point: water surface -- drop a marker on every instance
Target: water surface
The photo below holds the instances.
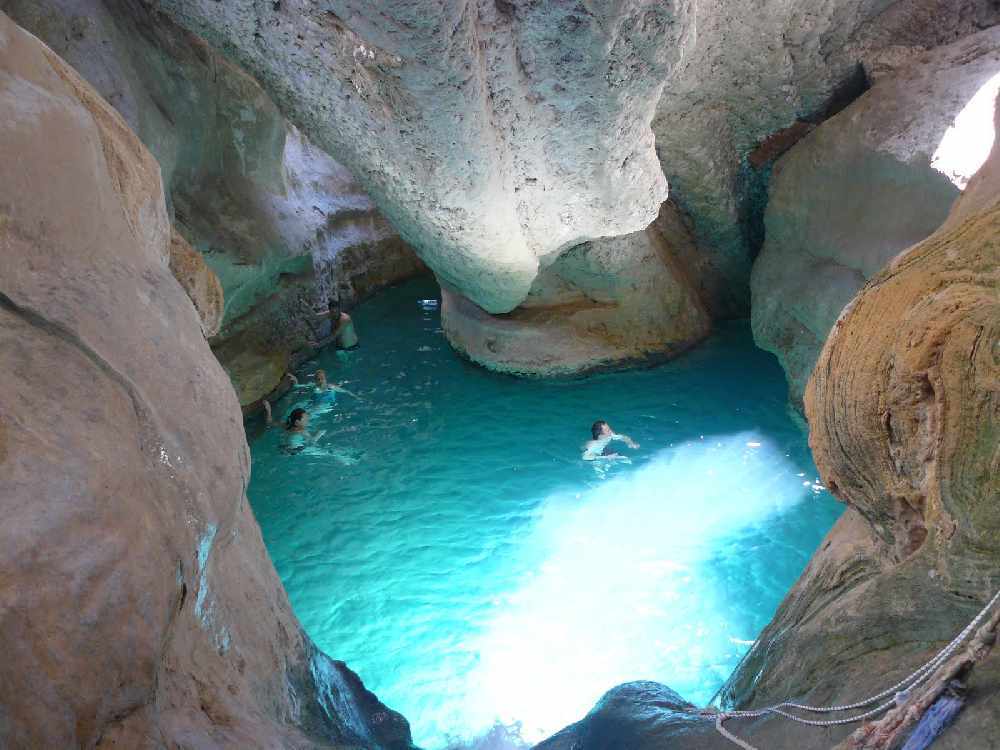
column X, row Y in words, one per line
column 446, row 541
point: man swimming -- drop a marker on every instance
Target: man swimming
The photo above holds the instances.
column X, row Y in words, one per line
column 599, row 445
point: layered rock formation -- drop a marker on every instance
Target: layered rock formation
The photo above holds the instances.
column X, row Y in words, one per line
column 281, row 223
column 138, row 607
column 604, row 303
column 866, row 184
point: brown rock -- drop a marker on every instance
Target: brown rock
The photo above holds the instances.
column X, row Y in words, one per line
column 138, row 607
column 904, row 416
column 199, row 281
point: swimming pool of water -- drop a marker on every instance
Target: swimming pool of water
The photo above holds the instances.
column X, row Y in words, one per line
column 445, row 539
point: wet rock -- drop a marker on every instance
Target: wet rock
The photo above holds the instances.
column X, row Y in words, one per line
column 639, row 716
column 866, row 184
column 491, row 134
column 280, row 223
column 604, row 303
column 138, row 607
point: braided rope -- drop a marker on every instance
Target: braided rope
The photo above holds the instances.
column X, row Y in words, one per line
column 900, row 691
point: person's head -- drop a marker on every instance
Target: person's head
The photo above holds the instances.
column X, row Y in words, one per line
column 600, row 428
column 297, row 420
column 321, row 379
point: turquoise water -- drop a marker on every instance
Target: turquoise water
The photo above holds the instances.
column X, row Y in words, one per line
column 445, row 539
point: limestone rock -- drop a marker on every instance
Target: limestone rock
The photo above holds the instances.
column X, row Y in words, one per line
column 904, row 416
column 199, row 281
column 138, row 607
column 604, row 303
column 280, row 222
column 491, row 134
column 750, row 70
column 866, row 184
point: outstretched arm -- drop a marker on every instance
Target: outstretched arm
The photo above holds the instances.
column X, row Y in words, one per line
column 626, row 439
column 267, row 412
column 341, row 389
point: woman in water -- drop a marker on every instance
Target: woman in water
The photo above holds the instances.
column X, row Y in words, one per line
column 297, row 434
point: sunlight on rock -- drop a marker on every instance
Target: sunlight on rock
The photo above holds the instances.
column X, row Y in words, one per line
column 967, row 143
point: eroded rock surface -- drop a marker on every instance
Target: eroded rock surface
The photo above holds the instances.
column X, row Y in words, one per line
column 280, row 222
column 138, row 607
column 753, row 73
column 866, row 184
column 492, row 134
column 604, row 303
column 904, row 416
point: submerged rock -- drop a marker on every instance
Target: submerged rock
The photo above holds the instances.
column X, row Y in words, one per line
column 866, row 184
column 138, row 607
column 604, row 303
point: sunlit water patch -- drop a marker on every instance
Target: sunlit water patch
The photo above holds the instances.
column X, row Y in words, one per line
column 445, row 539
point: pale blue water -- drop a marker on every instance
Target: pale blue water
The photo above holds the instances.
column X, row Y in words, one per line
column 445, row 539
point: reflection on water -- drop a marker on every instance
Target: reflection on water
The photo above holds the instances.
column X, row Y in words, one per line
column 473, row 570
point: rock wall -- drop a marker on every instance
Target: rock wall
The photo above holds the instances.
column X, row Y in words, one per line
column 866, row 184
column 904, row 416
column 750, row 79
column 280, row 222
column 138, row 607
column 494, row 135
column 606, row 303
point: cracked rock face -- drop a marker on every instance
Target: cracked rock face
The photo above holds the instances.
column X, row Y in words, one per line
column 494, row 135
column 866, row 184
column 138, row 607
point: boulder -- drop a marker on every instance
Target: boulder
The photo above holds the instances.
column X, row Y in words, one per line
column 138, row 607
column 606, row 303
column 639, row 716
column 866, row 184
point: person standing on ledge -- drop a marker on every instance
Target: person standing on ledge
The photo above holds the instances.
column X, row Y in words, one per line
column 599, row 446
column 341, row 327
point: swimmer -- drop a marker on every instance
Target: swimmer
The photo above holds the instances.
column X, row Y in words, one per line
column 341, row 327
column 324, row 386
column 599, row 447
column 296, row 427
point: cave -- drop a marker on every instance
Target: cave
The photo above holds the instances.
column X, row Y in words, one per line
column 490, row 376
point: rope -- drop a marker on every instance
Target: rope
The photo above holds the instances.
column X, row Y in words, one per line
column 900, row 692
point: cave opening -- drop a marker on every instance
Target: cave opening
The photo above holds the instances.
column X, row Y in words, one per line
column 444, row 537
